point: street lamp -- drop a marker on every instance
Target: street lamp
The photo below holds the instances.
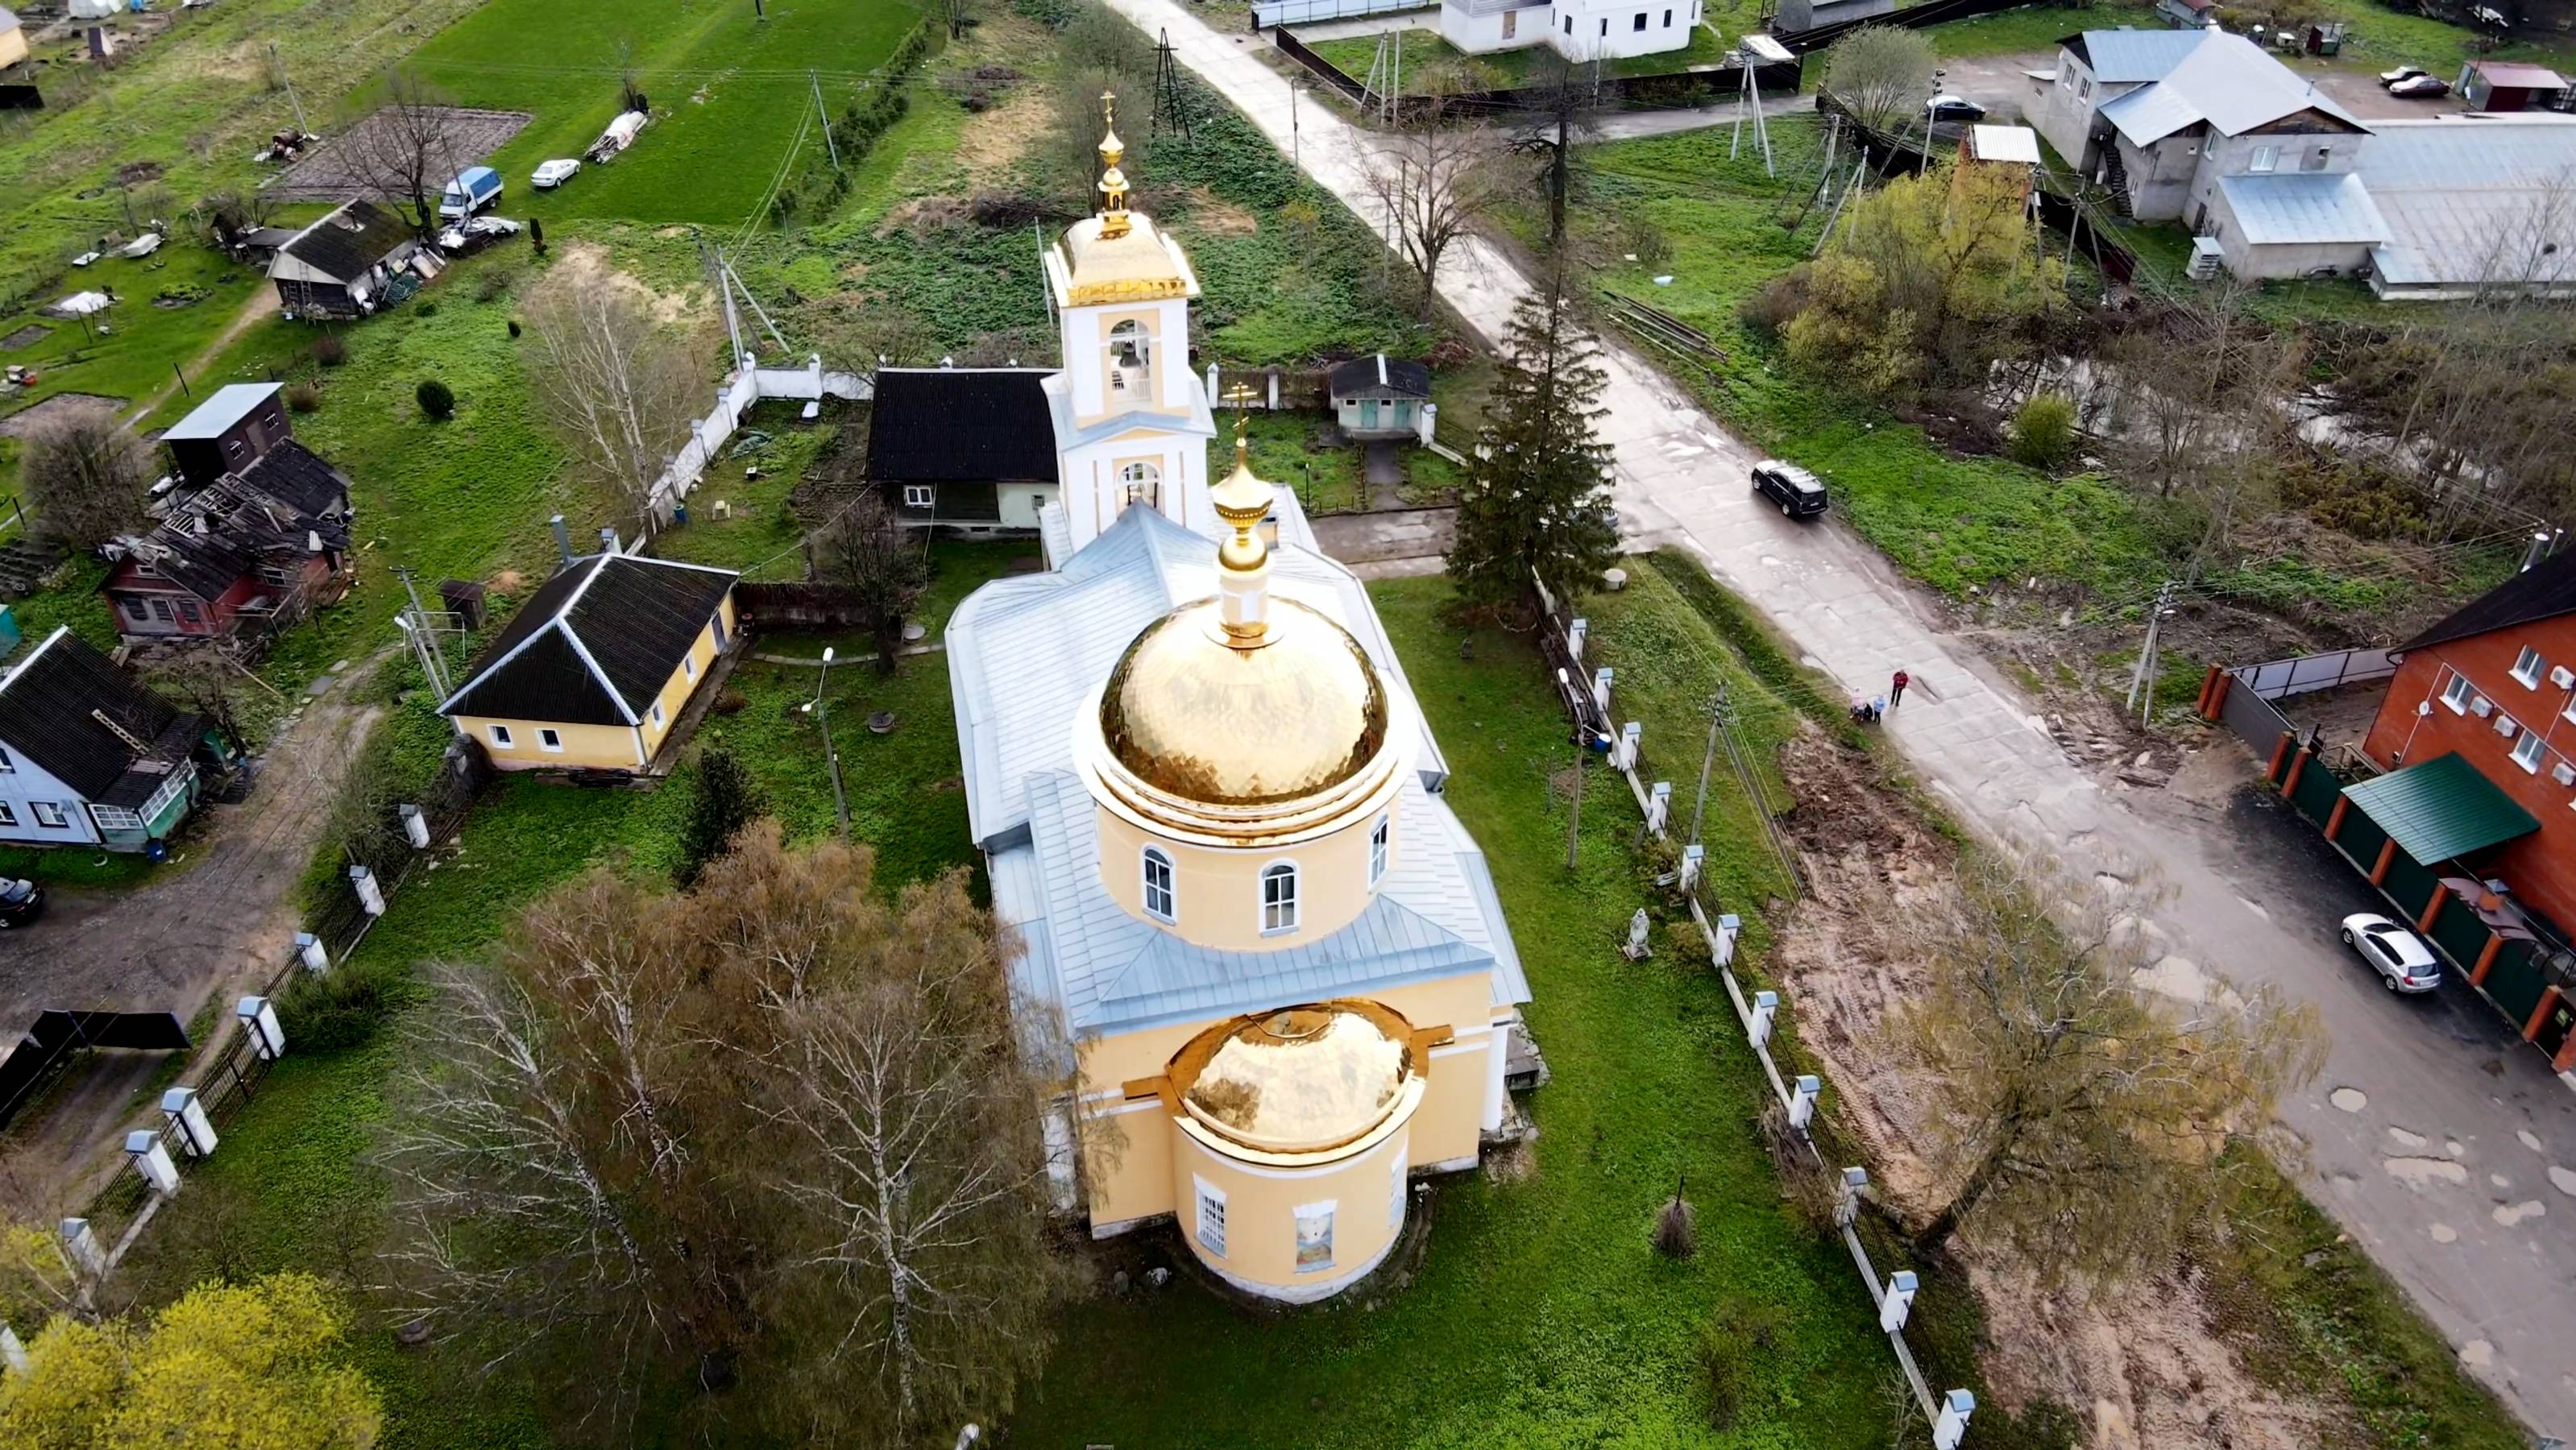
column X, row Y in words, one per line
column 822, row 714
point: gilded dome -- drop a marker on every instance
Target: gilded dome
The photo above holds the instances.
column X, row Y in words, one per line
column 1300, row 1079
column 1217, row 724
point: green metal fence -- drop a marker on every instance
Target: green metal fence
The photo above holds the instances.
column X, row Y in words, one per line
column 2360, row 839
column 2316, row 792
column 2514, row 983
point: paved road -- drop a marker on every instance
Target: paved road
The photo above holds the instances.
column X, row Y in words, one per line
column 2495, row 1276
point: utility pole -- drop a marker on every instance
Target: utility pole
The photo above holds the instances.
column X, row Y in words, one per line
column 423, row 634
column 2142, row 680
column 822, row 714
column 301, row 129
column 824, row 114
column 1708, row 758
column 1296, row 143
column 1574, row 818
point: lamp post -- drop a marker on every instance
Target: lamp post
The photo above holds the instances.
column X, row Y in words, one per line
column 1574, row 819
column 822, row 714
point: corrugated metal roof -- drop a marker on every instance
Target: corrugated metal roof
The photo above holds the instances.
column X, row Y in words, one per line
column 2004, row 143
column 2225, row 80
column 2474, row 198
column 2120, row 57
column 2519, row 74
column 222, row 409
column 2441, row 809
column 2293, row 207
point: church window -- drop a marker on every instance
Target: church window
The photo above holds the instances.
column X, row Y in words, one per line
column 1278, row 898
column 1314, row 1237
column 1377, row 851
column 1395, row 1194
column 1158, row 885
column 1144, row 484
column 1211, row 1217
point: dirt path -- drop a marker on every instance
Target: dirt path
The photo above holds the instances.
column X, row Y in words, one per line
column 263, row 304
column 196, row 936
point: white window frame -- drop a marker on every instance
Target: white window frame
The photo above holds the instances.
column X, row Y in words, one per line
column 1395, row 1193
column 2528, row 667
column 2528, row 750
column 1379, row 835
column 2455, row 695
column 1283, row 912
column 689, row 667
column 500, row 735
column 8, row 762
column 8, row 814
column 1156, row 856
column 656, row 713
column 1209, row 1228
column 920, row 496
column 51, row 815
column 1328, row 1210
column 549, row 738
column 2264, row 159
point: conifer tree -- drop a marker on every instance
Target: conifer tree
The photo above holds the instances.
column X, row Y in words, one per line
column 1539, row 507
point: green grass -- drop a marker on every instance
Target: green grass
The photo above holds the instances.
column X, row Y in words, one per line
column 1540, row 1317
column 763, row 535
column 132, row 360
column 2033, row 28
column 1284, row 450
column 1425, row 57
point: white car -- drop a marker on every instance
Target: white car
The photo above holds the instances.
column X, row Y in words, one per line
column 2402, row 73
column 2400, row 957
column 551, row 174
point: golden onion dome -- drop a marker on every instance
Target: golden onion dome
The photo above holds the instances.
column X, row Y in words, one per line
column 1301, row 1079
column 1195, row 717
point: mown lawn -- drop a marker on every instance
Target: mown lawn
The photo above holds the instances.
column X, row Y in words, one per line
column 1541, row 1316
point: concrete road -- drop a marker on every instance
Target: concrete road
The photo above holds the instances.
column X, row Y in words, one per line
column 2500, row 1285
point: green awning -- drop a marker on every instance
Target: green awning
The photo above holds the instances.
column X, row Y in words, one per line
column 2441, row 809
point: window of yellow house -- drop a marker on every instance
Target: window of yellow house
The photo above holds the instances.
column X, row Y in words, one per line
column 1211, row 1216
column 550, row 738
column 501, row 736
column 689, row 667
column 657, row 714
column 1314, row 1237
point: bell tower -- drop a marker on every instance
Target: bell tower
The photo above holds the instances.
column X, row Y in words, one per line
column 1131, row 417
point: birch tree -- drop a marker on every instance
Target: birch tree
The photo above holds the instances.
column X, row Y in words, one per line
column 619, row 387
column 2084, row 1121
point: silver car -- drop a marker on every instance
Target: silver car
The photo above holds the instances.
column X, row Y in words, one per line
column 2400, row 957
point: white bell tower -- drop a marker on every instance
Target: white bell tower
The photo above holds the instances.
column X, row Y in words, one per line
column 1131, row 418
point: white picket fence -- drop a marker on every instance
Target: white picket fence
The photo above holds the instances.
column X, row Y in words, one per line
column 749, row 384
column 1275, row 13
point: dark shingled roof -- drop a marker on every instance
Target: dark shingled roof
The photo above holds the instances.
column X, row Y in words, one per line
column 349, row 241
column 939, row 425
column 203, row 564
column 299, row 478
column 46, row 716
column 2543, row 591
column 1378, row 372
column 595, row 644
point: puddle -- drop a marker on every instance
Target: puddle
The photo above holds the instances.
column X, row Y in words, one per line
column 2499, row 1180
column 2563, row 1179
column 2530, row 1139
column 2510, row 1214
column 2418, row 1172
column 2406, row 1139
column 2477, row 1354
column 2351, row 1100
column 2443, row 1233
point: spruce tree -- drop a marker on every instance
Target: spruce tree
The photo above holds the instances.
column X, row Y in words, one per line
column 1538, row 507
column 722, row 800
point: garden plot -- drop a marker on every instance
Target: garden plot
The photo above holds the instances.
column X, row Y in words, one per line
column 337, row 170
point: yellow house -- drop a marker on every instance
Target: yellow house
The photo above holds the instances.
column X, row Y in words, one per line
column 13, row 39
column 595, row 670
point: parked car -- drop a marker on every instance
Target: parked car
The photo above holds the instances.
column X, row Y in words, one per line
column 551, row 174
column 21, row 901
column 1956, row 108
column 474, row 188
column 2421, row 88
column 2400, row 957
column 2402, row 73
column 1799, row 494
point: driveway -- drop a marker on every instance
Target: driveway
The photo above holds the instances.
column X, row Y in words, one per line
column 2499, row 1288
column 182, row 940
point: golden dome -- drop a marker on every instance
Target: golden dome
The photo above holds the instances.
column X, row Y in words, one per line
column 1300, row 1079
column 1127, row 261
column 1216, row 724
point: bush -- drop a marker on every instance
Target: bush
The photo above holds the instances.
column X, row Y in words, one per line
column 303, row 397
column 493, row 285
column 1677, row 1229
column 2044, row 432
column 436, row 399
column 1739, row 1336
column 329, row 350
column 1648, row 244
column 339, row 1009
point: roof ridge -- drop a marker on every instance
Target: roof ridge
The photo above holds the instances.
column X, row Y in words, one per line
column 572, row 636
column 485, row 673
column 14, row 671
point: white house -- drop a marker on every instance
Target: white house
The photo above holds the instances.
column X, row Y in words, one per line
column 87, row 756
column 1578, row 29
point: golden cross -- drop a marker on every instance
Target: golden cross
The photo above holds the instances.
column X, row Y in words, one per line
column 1241, row 396
column 1109, row 109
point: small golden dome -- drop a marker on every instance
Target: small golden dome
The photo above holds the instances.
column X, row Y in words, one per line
column 1301, row 1079
column 1210, row 722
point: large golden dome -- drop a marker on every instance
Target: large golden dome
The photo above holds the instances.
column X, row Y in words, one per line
column 1212, row 723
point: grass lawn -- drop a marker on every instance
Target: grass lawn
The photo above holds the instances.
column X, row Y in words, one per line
column 1425, row 55
column 132, row 360
column 1285, row 450
column 2033, row 28
column 762, row 536
column 1541, row 1317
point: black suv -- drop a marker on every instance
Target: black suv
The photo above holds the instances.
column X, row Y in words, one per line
column 1799, row 493
column 21, row 902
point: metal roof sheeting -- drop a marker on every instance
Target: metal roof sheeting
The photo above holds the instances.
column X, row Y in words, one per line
column 2292, row 207
column 222, row 409
column 2441, row 809
column 2226, row 81
column 2004, row 143
column 2474, row 198
column 2123, row 57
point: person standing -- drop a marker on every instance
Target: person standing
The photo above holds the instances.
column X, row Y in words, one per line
column 1896, row 690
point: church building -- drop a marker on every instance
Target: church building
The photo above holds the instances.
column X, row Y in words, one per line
column 1214, row 815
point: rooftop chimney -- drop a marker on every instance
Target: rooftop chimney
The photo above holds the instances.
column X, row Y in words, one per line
column 563, row 540
column 608, row 541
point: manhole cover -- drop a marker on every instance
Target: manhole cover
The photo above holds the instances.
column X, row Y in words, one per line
column 881, row 723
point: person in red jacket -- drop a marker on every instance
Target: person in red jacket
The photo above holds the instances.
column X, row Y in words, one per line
column 1896, row 692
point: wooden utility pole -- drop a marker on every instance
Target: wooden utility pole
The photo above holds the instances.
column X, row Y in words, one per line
column 301, row 129
column 1707, row 759
column 1574, row 818
column 824, row 115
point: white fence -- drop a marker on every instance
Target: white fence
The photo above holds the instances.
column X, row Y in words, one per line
column 2303, row 674
column 1307, row 12
column 748, row 385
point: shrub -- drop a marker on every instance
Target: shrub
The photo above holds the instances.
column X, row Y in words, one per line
column 329, row 350
column 2044, row 432
column 493, row 286
column 514, row 327
column 1677, row 1229
column 1648, row 244
column 723, row 799
column 339, row 1009
column 426, row 309
column 303, row 397
column 436, row 399
column 1739, row 1336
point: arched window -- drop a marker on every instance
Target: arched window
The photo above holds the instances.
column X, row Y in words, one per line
column 1144, row 484
column 1377, row 851
column 1131, row 358
column 1158, row 885
column 1278, row 898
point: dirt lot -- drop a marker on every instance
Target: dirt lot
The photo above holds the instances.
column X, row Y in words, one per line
column 60, row 405
column 225, row 918
column 2149, row 1371
column 332, row 172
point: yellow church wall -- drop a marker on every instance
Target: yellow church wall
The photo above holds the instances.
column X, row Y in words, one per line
column 1216, row 896
column 1364, row 1192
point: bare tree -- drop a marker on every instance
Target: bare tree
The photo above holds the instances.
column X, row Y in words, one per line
column 2084, row 1123
column 85, row 474
column 401, row 151
column 1566, row 99
column 621, row 388
column 868, row 552
column 1434, row 180
column 1882, row 74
